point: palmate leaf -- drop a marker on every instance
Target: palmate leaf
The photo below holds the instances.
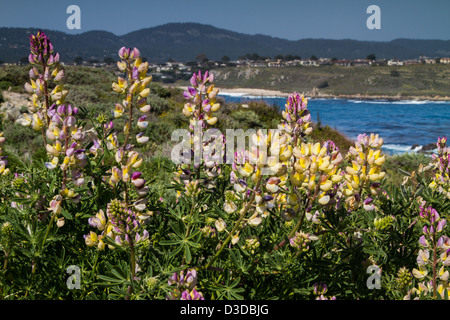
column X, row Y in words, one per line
column 170, row 242
column 119, row 275
column 172, row 253
column 183, row 242
column 187, row 254
column 66, row 214
column 229, row 291
column 240, row 264
column 109, row 282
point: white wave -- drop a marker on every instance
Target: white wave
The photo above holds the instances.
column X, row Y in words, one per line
column 415, row 102
column 411, row 102
column 232, row 94
column 248, row 96
column 401, row 148
column 400, row 102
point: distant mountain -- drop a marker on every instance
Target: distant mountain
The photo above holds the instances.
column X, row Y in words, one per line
column 184, row 41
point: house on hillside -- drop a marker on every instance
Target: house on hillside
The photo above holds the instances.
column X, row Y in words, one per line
column 395, row 62
column 381, row 62
column 275, row 63
column 445, row 60
column 361, row 62
column 243, row 63
column 293, row 63
column 411, row 62
column 309, row 63
column 342, row 63
column 176, row 65
column 257, row 64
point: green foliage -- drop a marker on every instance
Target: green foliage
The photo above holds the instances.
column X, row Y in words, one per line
column 212, row 231
column 397, row 165
column 323, row 134
column 378, row 81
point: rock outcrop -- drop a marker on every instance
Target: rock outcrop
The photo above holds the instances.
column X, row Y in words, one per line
column 14, row 106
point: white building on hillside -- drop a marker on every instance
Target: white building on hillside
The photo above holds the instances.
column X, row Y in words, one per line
column 309, row 62
column 395, row 62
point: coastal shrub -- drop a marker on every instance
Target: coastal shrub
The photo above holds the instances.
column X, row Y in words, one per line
column 323, row 84
column 294, row 216
column 246, row 119
column 4, row 85
column 398, row 166
column 159, row 104
column 324, row 133
column 14, row 76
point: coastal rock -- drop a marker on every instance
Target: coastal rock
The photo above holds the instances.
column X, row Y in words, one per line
column 428, row 147
column 14, row 104
column 10, row 111
column 414, row 146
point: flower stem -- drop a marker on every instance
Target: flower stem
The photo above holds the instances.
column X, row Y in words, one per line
column 300, row 222
column 5, row 265
column 35, row 261
column 237, row 224
column 434, row 266
column 133, row 269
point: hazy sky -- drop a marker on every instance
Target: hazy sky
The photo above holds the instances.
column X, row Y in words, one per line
column 288, row 19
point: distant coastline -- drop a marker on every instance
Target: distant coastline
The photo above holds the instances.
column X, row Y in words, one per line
column 380, row 97
column 264, row 93
column 253, row 92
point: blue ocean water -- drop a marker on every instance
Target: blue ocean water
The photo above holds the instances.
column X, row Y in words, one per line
column 401, row 124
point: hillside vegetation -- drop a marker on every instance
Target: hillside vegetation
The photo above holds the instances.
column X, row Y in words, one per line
column 394, row 81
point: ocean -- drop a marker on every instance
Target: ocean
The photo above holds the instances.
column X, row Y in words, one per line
column 401, row 124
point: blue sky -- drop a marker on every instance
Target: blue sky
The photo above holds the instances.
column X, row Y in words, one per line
column 288, row 19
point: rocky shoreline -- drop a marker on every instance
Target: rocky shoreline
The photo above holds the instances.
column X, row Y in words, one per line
column 315, row 94
column 397, row 97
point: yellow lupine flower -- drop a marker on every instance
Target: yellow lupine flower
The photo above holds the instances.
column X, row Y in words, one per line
column 91, row 239
column 211, row 121
column 315, row 149
column 134, row 87
column 144, row 93
column 246, row 170
column 215, row 107
column 420, row 273
column 297, row 178
column 326, row 185
column 36, row 122
column 305, row 149
column 145, row 81
column 336, row 178
column 120, row 86
column 324, row 199
column 351, row 171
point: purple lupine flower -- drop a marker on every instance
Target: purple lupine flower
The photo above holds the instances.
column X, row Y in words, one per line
column 320, row 289
column 193, row 295
column 441, row 224
column 124, row 53
column 423, row 241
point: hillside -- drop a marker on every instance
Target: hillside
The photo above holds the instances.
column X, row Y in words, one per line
column 184, row 41
column 414, row 81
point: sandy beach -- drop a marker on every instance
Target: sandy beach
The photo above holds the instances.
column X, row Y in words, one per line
column 253, row 92
column 247, row 92
column 319, row 95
